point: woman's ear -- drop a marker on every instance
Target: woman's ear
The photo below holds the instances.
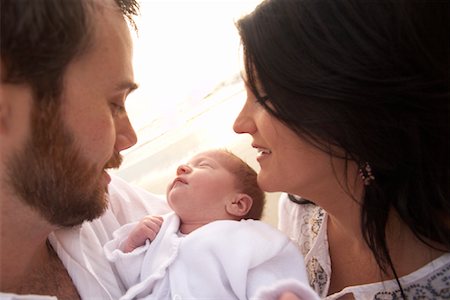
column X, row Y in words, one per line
column 239, row 205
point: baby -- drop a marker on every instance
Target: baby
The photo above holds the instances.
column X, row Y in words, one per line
column 212, row 245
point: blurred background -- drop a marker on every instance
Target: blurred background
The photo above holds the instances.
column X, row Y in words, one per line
column 187, row 62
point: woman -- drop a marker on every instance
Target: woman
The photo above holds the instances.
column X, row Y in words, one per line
column 348, row 106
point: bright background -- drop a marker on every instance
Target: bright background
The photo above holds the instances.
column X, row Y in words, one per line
column 187, row 63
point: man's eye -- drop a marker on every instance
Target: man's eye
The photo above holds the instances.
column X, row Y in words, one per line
column 117, row 109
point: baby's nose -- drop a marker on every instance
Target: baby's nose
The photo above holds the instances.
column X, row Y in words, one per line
column 183, row 169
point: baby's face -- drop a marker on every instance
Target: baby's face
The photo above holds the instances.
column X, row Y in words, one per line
column 201, row 188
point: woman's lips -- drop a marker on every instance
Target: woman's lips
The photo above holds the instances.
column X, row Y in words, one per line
column 262, row 152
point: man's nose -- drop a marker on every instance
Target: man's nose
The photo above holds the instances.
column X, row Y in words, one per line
column 125, row 135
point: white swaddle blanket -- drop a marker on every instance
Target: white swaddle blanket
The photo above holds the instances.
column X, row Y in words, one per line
column 222, row 260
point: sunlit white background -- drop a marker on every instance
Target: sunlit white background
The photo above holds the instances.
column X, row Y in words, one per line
column 184, row 50
column 187, row 64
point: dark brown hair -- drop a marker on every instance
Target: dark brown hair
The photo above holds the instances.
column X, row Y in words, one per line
column 40, row 38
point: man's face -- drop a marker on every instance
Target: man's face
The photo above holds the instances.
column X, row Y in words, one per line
column 60, row 171
column 57, row 181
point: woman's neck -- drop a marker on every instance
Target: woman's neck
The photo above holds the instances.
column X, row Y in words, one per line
column 353, row 262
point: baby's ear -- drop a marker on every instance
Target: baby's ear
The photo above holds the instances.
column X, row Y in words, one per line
column 239, row 205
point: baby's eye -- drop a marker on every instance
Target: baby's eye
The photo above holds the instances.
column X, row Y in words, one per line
column 204, row 165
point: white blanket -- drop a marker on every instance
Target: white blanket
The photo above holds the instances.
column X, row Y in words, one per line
column 222, row 260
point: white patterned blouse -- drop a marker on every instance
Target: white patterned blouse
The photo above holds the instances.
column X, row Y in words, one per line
column 306, row 225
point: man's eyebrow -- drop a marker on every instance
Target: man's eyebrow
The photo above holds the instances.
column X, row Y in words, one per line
column 128, row 86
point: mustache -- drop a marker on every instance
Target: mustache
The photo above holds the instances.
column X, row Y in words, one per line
column 115, row 161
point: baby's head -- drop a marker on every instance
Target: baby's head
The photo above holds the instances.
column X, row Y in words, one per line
column 245, row 182
column 215, row 185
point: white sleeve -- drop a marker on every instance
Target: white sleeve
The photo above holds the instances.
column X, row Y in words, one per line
column 287, row 216
column 290, row 217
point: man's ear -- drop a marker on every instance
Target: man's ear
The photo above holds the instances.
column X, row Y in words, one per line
column 239, row 205
column 3, row 108
column 3, row 102
column 16, row 102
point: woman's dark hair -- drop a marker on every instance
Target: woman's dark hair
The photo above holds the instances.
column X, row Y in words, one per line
column 299, row 200
column 40, row 38
column 372, row 78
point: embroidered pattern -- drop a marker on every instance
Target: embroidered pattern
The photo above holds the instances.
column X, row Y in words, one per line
column 317, row 276
column 312, row 220
column 309, row 229
column 436, row 286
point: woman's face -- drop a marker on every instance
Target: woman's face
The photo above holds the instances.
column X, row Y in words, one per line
column 288, row 162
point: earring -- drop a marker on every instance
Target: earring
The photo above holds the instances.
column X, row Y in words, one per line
column 365, row 171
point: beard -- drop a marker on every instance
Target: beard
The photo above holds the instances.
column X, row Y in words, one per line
column 50, row 174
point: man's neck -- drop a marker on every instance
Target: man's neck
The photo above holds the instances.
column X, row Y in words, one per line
column 23, row 236
column 28, row 264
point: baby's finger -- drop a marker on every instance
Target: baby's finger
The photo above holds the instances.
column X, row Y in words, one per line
column 153, row 222
column 150, row 232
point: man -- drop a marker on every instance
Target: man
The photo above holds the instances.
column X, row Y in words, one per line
column 65, row 74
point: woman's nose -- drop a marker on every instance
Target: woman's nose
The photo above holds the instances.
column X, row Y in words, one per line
column 183, row 169
column 244, row 123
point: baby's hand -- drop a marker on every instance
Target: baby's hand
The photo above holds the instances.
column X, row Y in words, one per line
column 288, row 296
column 147, row 228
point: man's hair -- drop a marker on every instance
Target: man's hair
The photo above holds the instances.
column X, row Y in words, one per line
column 246, row 182
column 39, row 39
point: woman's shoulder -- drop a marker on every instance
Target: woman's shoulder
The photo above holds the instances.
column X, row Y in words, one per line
column 306, row 224
column 301, row 220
